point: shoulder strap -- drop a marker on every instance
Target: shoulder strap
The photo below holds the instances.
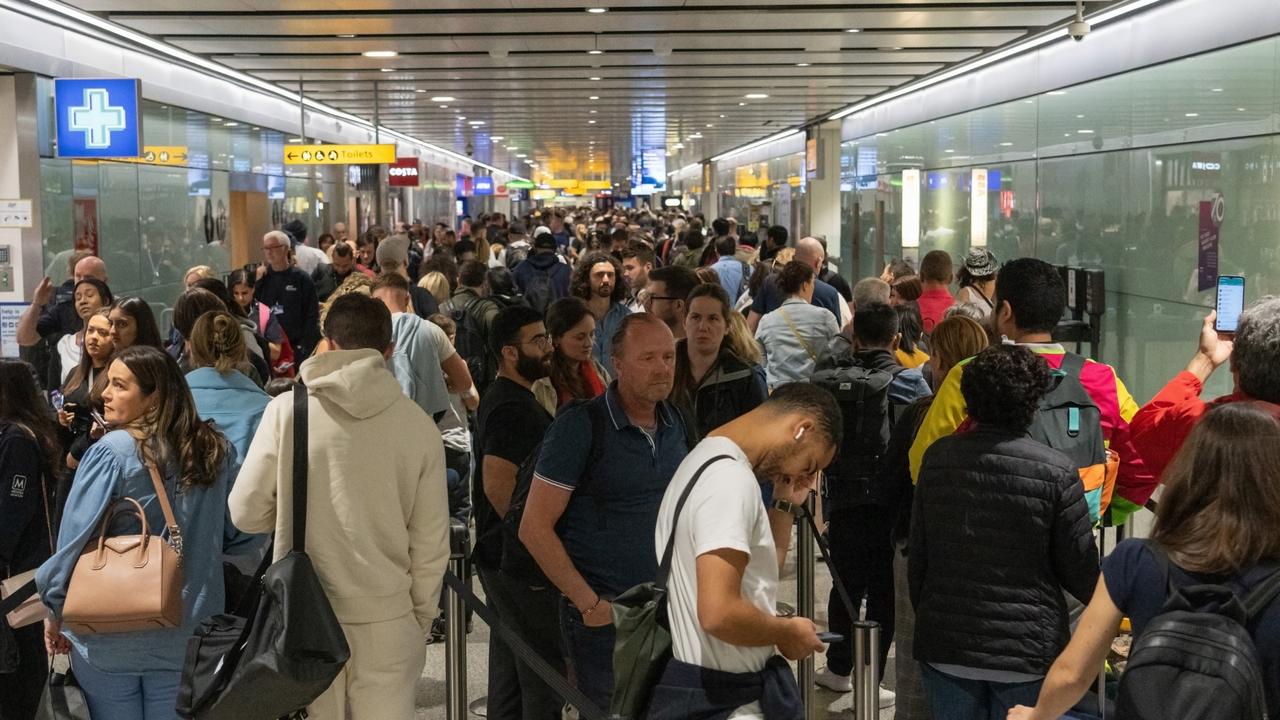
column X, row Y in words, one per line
column 1072, row 364
column 1162, row 562
column 664, row 568
column 795, row 331
column 264, row 317
column 299, row 468
column 1261, row 597
column 162, row 495
column 598, row 417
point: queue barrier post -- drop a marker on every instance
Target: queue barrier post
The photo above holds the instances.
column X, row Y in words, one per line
column 805, row 601
column 455, row 627
column 866, row 670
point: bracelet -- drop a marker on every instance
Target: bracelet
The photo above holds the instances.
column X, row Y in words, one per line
column 592, row 609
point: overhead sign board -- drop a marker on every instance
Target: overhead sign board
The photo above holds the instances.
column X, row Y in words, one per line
column 521, row 185
column 339, row 154
column 15, row 213
column 404, row 172
column 482, row 185
column 98, row 118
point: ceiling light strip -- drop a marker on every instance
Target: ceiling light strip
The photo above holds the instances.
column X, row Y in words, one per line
column 61, row 11
column 752, row 146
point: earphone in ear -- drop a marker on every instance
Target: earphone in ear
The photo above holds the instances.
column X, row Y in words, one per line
column 800, row 433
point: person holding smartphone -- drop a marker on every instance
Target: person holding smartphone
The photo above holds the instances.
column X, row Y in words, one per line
column 728, row 552
column 1161, row 426
column 81, row 392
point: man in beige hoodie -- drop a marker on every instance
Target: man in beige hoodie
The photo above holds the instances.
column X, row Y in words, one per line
column 377, row 514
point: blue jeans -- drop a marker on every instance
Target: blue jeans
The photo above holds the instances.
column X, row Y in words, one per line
column 127, row 696
column 590, row 655
column 955, row 698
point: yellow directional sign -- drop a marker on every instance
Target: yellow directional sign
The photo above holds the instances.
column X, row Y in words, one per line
column 339, row 154
column 160, row 155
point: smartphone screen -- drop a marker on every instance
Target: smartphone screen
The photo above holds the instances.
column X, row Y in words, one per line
column 1230, row 302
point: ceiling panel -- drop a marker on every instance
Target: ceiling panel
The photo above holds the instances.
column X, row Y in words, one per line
column 569, row 89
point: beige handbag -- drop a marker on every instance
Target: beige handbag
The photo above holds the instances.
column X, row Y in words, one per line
column 127, row 583
column 32, row 610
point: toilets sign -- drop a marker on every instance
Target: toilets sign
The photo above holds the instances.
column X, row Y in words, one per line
column 98, row 118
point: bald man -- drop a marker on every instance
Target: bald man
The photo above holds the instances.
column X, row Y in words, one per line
column 808, row 251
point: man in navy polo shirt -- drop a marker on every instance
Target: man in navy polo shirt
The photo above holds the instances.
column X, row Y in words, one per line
column 808, row 251
column 591, row 512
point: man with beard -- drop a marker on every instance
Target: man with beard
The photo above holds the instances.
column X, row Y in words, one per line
column 509, row 425
column 729, row 549
column 598, row 280
column 593, row 502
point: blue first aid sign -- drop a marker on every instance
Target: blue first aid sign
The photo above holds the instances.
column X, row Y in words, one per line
column 98, row 118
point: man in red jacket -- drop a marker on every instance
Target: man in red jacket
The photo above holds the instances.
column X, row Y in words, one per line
column 1160, row 427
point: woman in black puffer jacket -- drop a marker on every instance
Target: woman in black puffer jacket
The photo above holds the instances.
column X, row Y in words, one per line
column 999, row 528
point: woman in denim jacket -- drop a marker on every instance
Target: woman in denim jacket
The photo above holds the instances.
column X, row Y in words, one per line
column 135, row 675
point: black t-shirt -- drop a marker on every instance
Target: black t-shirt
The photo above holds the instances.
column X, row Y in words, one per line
column 834, row 279
column 509, row 425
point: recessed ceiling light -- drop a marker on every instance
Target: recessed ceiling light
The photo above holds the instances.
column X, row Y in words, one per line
column 710, row 125
column 512, row 147
column 721, row 116
column 230, row 123
column 347, row 35
column 591, row 122
column 1079, row 117
column 388, row 69
column 476, row 122
column 802, row 64
column 1084, row 132
column 594, row 97
column 1057, row 92
column 442, row 98
column 1215, row 89
column 597, row 10
column 595, row 52
column 1240, row 109
column 678, row 146
column 522, row 155
column 593, row 112
column 495, row 137
column 1193, row 114
column 948, row 150
column 379, row 53
column 854, row 30
column 890, row 49
column 462, row 117
column 1006, row 144
column 741, row 104
column 755, row 96
column 594, row 78
column 444, row 107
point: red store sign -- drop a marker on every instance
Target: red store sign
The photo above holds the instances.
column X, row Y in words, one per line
column 404, row 173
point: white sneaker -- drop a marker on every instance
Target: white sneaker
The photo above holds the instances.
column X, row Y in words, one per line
column 887, row 698
column 833, row 682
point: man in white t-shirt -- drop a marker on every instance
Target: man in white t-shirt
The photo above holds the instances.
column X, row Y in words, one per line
column 729, row 550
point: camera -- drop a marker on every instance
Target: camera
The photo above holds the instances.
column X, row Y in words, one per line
column 1078, row 29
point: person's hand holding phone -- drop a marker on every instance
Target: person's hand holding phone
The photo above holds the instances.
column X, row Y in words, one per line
column 66, row 416
column 1214, row 348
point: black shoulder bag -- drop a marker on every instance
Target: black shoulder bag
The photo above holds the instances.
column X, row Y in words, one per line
column 272, row 659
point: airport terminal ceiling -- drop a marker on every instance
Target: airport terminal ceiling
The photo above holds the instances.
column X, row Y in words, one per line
column 584, row 88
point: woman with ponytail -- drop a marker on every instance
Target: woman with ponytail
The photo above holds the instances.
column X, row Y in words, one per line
column 219, row 379
column 135, row 675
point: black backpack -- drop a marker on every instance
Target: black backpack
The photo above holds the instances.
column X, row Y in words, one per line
column 471, row 344
column 862, row 392
column 1069, row 421
column 1196, row 660
column 516, row 560
column 516, row 255
column 540, row 291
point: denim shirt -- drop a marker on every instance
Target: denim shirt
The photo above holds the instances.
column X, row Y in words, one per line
column 232, row 401
column 602, row 350
column 110, row 470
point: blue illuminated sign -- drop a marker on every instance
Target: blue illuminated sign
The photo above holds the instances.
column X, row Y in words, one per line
column 482, row 185
column 98, row 118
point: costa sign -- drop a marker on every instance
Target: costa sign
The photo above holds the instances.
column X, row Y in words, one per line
column 403, row 173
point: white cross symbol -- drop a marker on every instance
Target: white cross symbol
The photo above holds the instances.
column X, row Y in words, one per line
column 97, row 119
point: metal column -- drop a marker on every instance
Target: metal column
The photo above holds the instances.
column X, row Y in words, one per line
column 805, row 577
column 455, row 628
column 380, row 216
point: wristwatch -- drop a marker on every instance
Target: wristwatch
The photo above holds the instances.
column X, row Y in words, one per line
column 787, row 506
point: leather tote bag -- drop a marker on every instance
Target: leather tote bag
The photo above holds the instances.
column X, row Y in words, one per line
column 128, row 583
column 286, row 650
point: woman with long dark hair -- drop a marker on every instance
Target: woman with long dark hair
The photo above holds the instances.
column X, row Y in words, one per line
column 29, row 454
column 135, row 675
column 133, row 323
column 575, row 375
column 80, row 392
column 911, row 351
column 1218, row 523
column 91, row 295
